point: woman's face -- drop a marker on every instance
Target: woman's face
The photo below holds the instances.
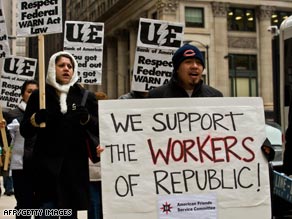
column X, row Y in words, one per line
column 64, row 70
column 28, row 90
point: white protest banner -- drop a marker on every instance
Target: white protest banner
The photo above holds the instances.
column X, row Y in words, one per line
column 182, row 158
column 157, row 40
column 14, row 72
column 37, row 17
column 4, row 44
column 84, row 40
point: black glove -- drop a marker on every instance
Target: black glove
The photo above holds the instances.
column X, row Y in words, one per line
column 41, row 116
column 81, row 115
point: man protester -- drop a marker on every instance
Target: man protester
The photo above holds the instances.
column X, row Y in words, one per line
column 186, row 81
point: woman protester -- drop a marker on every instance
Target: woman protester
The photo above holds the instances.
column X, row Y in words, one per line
column 22, row 180
column 60, row 153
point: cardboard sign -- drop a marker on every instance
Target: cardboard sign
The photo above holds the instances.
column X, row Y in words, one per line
column 157, row 40
column 39, row 17
column 161, row 152
column 282, row 186
column 15, row 71
column 84, row 40
column 4, row 44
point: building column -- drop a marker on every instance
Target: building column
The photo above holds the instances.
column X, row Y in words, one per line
column 103, row 86
column 265, row 57
column 220, row 76
column 111, row 54
column 133, row 28
column 123, row 61
column 167, row 9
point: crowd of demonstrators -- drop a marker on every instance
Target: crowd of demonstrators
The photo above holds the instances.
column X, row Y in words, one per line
column 64, row 176
column 186, row 80
column 60, row 156
column 50, row 164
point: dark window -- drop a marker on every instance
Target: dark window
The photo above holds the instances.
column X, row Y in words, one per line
column 194, row 17
column 243, row 75
column 278, row 17
column 241, row 19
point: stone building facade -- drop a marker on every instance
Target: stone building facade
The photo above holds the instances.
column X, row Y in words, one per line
column 239, row 58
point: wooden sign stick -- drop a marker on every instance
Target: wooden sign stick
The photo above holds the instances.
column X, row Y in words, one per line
column 42, row 83
column 6, row 148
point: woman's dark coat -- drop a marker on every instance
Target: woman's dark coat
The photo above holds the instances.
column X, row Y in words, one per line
column 60, row 153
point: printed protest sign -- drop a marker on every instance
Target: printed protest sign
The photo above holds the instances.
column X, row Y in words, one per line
column 4, row 44
column 14, row 72
column 182, row 158
column 37, row 17
column 157, row 40
column 84, row 40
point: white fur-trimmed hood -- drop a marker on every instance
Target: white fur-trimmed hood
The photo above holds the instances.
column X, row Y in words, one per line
column 51, row 79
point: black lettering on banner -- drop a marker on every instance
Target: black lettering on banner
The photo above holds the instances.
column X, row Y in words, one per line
column 161, row 35
column 38, row 13
column 53, row 21
column 83, row 33
column 2, row 54
column 18, row 66
column 126, row 184
column 131, row 121
column 145, row 79
column 205, row 121
column 32, row 23
column 37, row 4
column 38, row 30
column 4, row 37
column 122, row 153
column 210, row 179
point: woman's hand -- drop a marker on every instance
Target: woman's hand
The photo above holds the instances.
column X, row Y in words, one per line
column 99, row 150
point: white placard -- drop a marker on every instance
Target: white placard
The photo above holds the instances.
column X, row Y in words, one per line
column 157, row 40
column 84, row 40
column 15, row 71
column 191, row 146
column 4, row 44
column 39, row 17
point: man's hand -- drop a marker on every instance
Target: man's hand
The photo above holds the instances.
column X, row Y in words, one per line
column 99, row 150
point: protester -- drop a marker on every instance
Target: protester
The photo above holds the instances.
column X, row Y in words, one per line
column 2, row 125
column 22, row 182
column 95, row 207
column 7, row 178
column 186, row 81
column 60, row 154
column 287, row 162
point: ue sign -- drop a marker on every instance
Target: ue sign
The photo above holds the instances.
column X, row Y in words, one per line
column 160, row 34
column 83, row 33
column 19, row 66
